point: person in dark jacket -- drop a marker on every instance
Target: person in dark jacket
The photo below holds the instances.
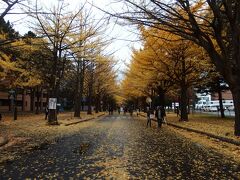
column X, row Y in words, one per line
column 159, row 116
column 163, row 114
column 148, row 117
column 46, row 112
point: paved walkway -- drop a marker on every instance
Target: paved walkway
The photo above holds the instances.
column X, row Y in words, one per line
column 121, row 147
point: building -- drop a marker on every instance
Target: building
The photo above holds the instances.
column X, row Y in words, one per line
column 26, row 101
column 210, row 102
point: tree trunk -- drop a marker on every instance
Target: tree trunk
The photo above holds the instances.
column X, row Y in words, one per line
column 52, row 115
column 183, row 104
column 89, row 111
column 90, row 90
column 236, row 101
column 77, row 106
column 41, row 100
column 161, row 94
column 220, row 102
column 32, row 100
column 38, row 98
column 23, row 100
column 77, row 101
column 98, row 103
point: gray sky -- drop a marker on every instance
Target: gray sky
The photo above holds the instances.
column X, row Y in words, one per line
column 125, row 37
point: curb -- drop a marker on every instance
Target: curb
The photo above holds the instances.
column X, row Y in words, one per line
column 84, row 120
column 3, row 141
column 224, row 139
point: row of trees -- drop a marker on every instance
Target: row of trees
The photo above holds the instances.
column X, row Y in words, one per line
column 212, row 25
column 64, row 56
column 163, row 67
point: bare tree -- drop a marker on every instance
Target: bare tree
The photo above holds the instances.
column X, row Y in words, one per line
column 89, row 46
column 9, row 5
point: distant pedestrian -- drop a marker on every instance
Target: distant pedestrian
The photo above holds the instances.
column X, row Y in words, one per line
column 138, row 111
column 0, row 116
column 119, row 110
column 148, row 117
column 110, row 110
column 177, row 111
column 159, row 117
column 131, row 111
column 46, row 112
column 125, row 110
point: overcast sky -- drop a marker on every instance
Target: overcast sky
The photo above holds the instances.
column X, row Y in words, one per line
column 125, row 36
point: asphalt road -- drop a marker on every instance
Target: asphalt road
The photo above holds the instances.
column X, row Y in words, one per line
column 122, row 147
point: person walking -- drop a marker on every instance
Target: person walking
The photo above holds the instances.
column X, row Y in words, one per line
column 148, row 117
column 159, row 116
column 46, row 112
column 131, row 110
column 177, row 111
column 138, row 111
column 163, row 114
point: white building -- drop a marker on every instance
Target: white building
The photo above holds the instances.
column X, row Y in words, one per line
column 207, row 103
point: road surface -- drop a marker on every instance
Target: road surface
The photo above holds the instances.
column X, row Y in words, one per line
column 122, row 147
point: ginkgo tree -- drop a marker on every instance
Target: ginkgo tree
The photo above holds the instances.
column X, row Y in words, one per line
column 166, row 65
column 57, row 26
column 214, row 25
column 104, row 80
column 85, row 53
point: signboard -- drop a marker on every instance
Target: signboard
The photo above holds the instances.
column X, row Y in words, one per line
column 152, row 116
column 52, row 103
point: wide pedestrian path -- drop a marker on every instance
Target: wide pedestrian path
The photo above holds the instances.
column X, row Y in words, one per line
column 122, row 147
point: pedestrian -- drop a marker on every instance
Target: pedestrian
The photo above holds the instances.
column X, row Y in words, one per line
column 131, row 111
column 111, row 110
column 125, row 110
column 163, row 114
column 159, row 117
column 46, row 112
column 148, row 117
column 177, row 111
column 138, row 111
column 119, row 110
column 0, row 116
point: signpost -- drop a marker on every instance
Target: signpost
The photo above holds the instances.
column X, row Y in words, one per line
column 52, row 103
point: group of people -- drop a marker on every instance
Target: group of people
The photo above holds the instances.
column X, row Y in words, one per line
column 125, row 110
column 110, row 110
column 159, row 113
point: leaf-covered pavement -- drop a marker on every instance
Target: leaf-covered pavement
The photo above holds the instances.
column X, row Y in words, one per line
column 121, row 147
